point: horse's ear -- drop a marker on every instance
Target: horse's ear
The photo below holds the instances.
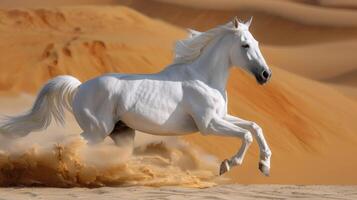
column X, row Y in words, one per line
column 235, row 22
column 249, row 21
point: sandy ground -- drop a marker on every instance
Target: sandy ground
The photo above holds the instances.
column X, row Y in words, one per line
column 244, row 192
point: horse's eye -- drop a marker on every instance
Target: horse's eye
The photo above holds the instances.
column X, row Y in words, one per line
column 246, row 46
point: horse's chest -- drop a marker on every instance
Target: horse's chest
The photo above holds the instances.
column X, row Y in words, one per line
column 216, row 102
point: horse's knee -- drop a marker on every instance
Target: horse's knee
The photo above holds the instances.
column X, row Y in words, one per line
column 255, row 126
column 258, row 131
column 247, row 137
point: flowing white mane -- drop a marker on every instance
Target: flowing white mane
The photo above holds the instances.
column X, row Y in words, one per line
column 189, row 49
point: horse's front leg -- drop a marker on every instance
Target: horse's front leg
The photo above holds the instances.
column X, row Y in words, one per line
column 256, row 130
column 222, row 127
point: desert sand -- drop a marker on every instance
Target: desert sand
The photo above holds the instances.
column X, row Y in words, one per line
column 308, row 110
column 245, row 192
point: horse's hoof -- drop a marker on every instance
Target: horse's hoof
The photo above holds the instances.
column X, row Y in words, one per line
column 264, row 169
column 224, row 167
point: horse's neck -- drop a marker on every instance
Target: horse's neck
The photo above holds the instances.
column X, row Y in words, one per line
column 212, row 67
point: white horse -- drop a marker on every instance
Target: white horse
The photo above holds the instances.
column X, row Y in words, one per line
column 187, row 96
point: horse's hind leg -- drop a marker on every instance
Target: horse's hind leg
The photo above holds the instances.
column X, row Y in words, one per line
column 95, row 129
column 122, row 135
column 96, row 124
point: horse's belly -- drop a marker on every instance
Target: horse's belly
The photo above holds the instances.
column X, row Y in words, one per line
column 160, row 124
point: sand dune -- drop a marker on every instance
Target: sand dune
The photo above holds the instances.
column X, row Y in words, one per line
column 347, row 4
column 90, row 41
column 267, row 24
column 51, row 3
column 304, row 120
column 289, row 9
column 347, row 78
column 349, row 91
column 317, row 61
column 324, row 26
column 312, row 15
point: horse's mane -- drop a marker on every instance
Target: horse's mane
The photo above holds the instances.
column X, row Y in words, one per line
column 191, row 48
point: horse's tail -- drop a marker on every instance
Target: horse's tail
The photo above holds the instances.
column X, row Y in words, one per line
column 56, row 94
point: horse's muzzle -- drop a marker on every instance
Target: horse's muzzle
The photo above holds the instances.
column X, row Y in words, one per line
column 264, row 76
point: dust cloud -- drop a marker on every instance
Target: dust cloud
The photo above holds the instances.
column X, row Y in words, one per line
column 61, row 160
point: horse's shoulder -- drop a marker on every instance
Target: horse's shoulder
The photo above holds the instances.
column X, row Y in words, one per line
column 200, row 87
column 202, row 93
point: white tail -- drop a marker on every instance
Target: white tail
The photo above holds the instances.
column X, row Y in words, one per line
column 57, row 94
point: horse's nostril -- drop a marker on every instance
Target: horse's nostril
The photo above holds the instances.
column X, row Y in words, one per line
column 265, row 74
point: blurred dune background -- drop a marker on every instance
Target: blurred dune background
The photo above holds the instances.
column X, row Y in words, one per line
column 308, row 111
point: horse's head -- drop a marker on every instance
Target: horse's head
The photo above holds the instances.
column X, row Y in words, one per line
column 245, row 52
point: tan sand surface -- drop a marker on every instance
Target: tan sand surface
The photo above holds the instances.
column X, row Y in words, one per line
column 244, row 192
column 350, row 91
